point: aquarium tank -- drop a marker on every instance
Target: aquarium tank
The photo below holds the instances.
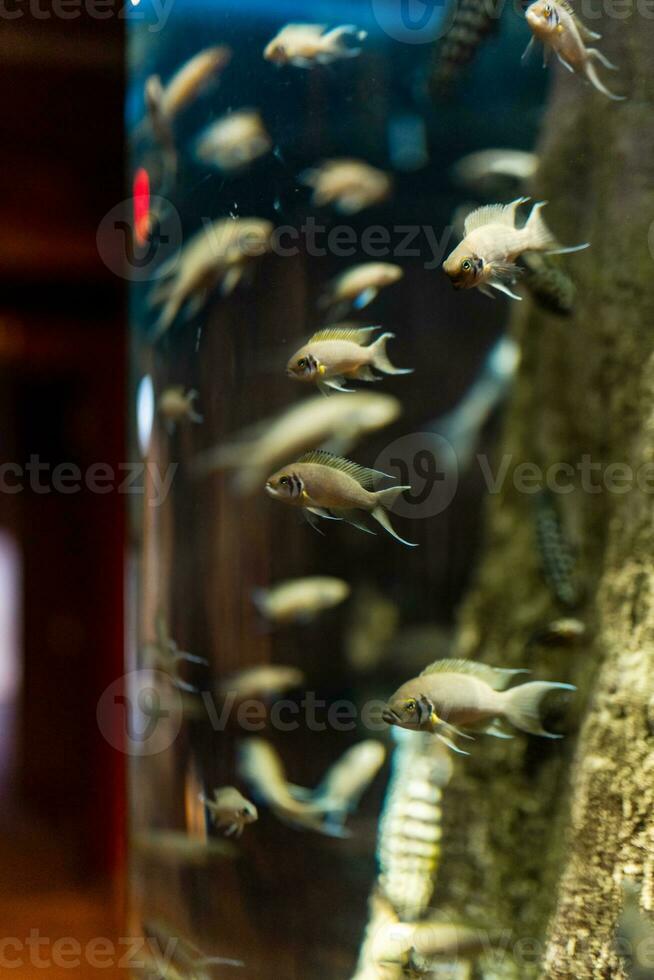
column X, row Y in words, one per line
column 387, row 655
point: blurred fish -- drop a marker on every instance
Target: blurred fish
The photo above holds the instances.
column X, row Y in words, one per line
column 300, row 600
column 472, row 23
column 339, row 353
column 556, row 551
column 234, row 141
column 261, row 766
column 265, row 681
column 189, row 81
column 309, row 45
column 327, row 486
column 479, row 170
column 220, row 252
column 177, row 958
column 487, row 255
column 165, row 655
column 463, row 425
column 472, row 695
column 359, row 286
column 346, row 781
column 555, row 23
column 350, row 185
column 176, row 404
column 560, row 632
column 334, row 423
column 230, row 811
column 373, row 622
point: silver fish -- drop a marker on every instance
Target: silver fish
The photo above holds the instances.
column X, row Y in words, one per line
column 230, row 811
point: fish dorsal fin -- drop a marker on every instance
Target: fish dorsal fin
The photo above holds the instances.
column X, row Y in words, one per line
column 344, row 331
column 495, row 677
column 361, row 474
column 493, row 214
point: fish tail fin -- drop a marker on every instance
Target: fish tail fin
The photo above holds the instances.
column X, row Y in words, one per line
column 539, row 237
column 594, row 80
column 522, row 705
column 386, row 499
column 380, row 359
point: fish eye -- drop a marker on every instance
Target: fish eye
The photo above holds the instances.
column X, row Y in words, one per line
column 411, row 705
column 284, row 482
column 302, row 363
column 466, row 265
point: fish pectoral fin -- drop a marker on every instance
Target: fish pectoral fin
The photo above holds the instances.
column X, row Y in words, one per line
column 310, row 519
column 335, row 383
column 497, row 732
column 352, row 517
column 528, row 50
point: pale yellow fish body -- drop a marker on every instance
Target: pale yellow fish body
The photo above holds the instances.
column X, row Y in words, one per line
column 301, row 599
column 339, row 353
column 266, row 680
column 190, row 79
column 234, row 141
column 339, row 422
column 230, row 811
column 366, row 279
column 310, row 45
column 348, row 185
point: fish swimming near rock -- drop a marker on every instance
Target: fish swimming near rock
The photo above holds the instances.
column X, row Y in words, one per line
column 300, row 600
column 334, row 424
column 344, row 352
column 311, row 45
column 331, row 487
column 230, row 811
column 349, row 185
column 492, row 243
column 454, row 697
column 358, row 286
column 555, row 23
column 220, row 253
column 234, row 141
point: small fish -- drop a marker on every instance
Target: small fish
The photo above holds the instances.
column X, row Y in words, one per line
column 454, row 694
column 265, row 681
column 234, row 141
column 219, row 253
column 487, row 255
column 189, row 80
column 300, row 600
column 176, row 404
column 328, row 486
column 346, row 781
column 567, row 632
column 230, row 811
column 309, row 45
column 337, row 424
column 349, row 185
column 555, row 23
column 477, row 170
column 557, row 553
column 261, row 766
column 340, row 353
column 360, row 285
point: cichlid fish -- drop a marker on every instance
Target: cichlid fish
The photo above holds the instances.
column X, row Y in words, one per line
column 176, row 404
column 487, row 255
column 264, row 681
column 328, row 486
column 454, row 694
column 360, row 285
column 477, row 170
column 341, row 353
column 556, row 551
column 189, row 80
column 234, row 141
column 219, row 253
column 472, row 23
column 349, row 185
column 331, row 423
column 309, row 45
column 230, row 811
column 555, row 23
column 261, row 766
column 300, row 600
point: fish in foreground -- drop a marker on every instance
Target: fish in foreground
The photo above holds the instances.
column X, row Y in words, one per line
column 336, row 424
column 555, row 23
column 334, row 488
column 220, row 253
column 360, row 285
column 264, row 681
column 340, row 353
column 234, row 141
column 230, row 811
column 451, row 695
column 171, row 957
column 300, row 600
column 309, row 45
column 487, row 255
column 177, row 404
column 261, row 766
column 349, row 185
